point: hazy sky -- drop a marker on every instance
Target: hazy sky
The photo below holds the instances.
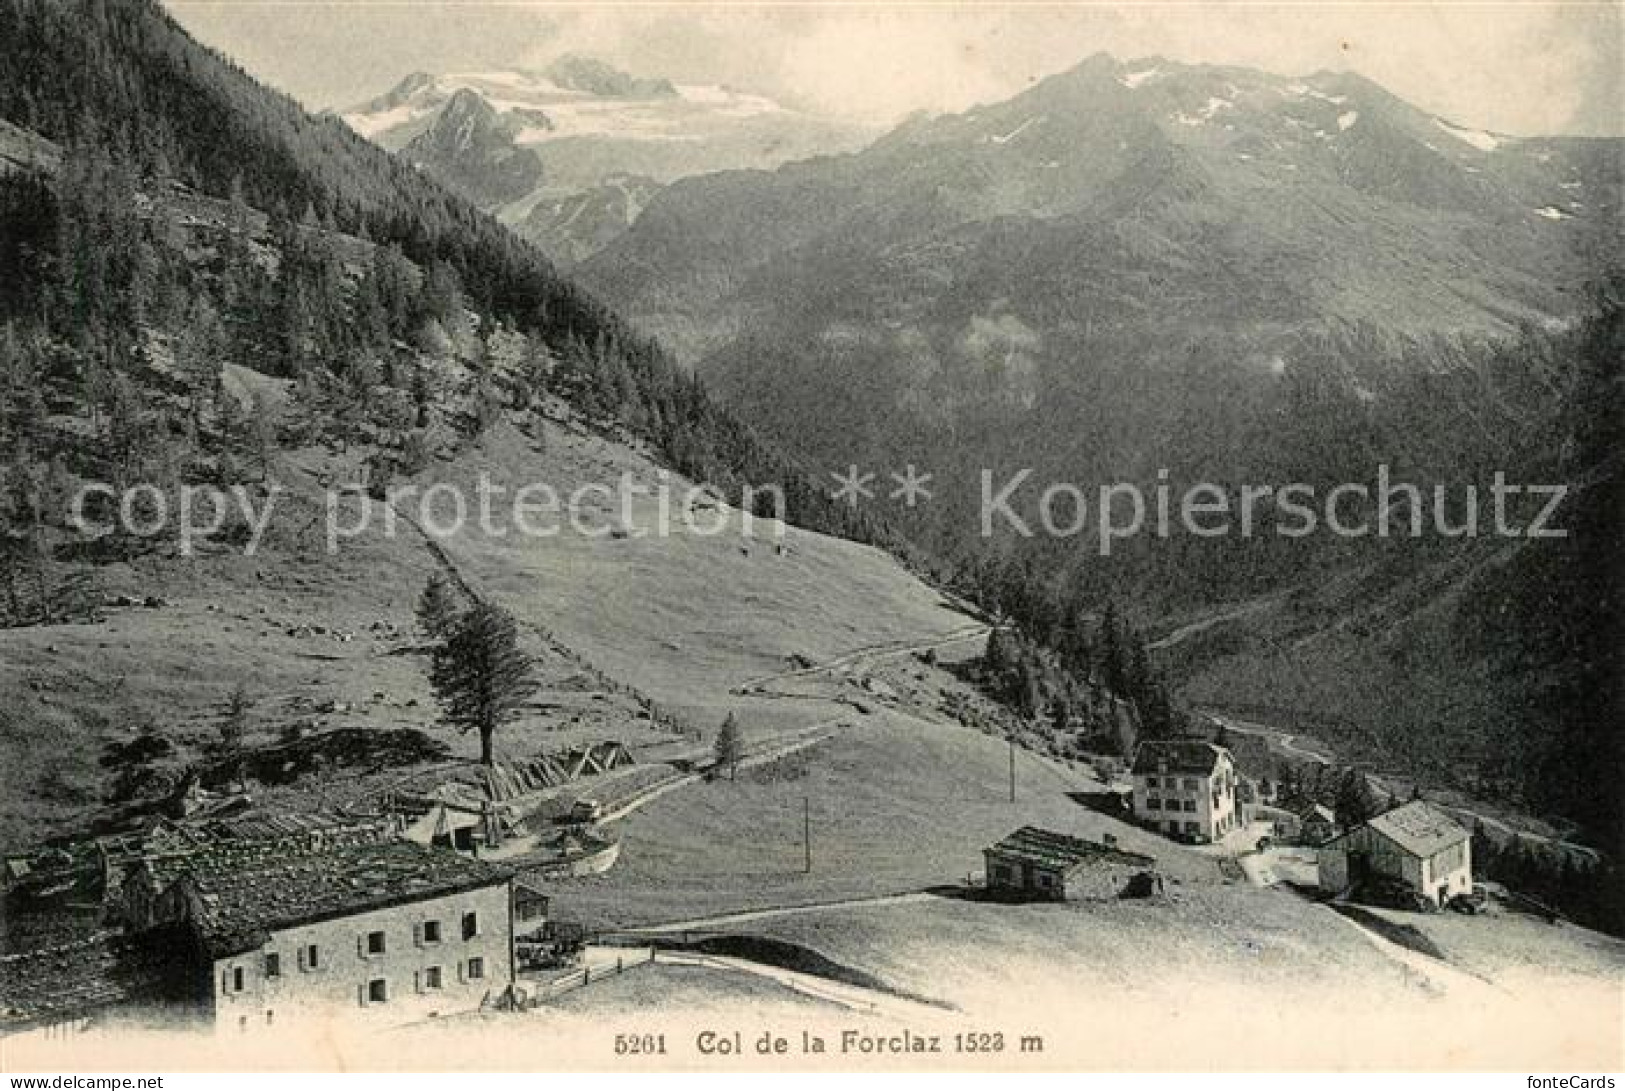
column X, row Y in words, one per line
column 1520, row 67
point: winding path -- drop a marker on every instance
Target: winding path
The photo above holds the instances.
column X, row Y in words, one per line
column 872, row 653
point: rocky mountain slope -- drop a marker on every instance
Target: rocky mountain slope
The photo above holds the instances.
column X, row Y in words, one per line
column 471, row 148
column 1118, row 194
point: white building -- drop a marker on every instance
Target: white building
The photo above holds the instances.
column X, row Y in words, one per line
column 1416, row 844
column 1185, row 788
column 388, row 931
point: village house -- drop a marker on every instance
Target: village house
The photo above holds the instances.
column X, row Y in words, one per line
column 397, row 930
column 1316, row 823
column 1415, row 844
column 1185, row 788
column 1039, row 864
column 1301, row 823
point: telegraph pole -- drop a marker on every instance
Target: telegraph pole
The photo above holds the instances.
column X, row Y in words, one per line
column 806, row 833
column 1012, row 768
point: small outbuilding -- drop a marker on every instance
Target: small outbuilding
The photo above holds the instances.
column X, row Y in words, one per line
column 1041, row 865
column 1316, row 824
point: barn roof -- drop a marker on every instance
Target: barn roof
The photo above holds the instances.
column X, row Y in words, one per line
column 1196, row 757
column 1419, row 828
column 1046, row 848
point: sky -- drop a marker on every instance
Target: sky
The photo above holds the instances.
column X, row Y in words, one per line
column 1524, row 67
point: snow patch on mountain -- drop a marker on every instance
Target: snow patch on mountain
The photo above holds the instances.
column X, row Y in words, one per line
column 1005, row 138
column 1483, row 141
column 1206, row 112
column 1132, row 80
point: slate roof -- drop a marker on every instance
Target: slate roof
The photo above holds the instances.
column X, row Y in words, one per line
column 239, row 896
column 1419, row 828
column 82, row 975
column 1193, row 757
column 1048, row 849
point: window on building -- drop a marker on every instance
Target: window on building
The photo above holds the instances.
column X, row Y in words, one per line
column 471, row 924
column 238, row 979
column 1152, row 803
column 1151, row 782
column 1190, row 805
column 431, row 931
column 476, row 969
column 1191, row 827
column 273, row 964
column 431, row 978
column 310, row 957
column 375, row 943
column 377, row 991
column 1190, row 784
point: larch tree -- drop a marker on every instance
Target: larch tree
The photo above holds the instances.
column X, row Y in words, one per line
column 480, row 675
column 730, row 746
column 439, row 607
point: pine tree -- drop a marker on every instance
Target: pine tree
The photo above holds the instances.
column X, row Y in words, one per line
column 1355, row 804
column 1484, row 851
column 198, row 355
column 439, row 607
column 730, row 746
column 480, row 675
column 233, row 730
column 1113, row 668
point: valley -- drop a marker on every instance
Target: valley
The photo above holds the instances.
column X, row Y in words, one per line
column 560, row 700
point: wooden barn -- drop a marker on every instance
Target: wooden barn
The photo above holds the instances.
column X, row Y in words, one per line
column 1041, row 865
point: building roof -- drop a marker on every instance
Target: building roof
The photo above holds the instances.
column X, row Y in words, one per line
column 1046, row 848
column 1310, row 812
column 1196, row 757
column 1419, row 828
column 80, row 976
column 239, row 895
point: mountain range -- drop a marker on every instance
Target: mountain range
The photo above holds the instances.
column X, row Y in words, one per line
column 1119, row 193
column 567, row 154
column 1131, row 266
